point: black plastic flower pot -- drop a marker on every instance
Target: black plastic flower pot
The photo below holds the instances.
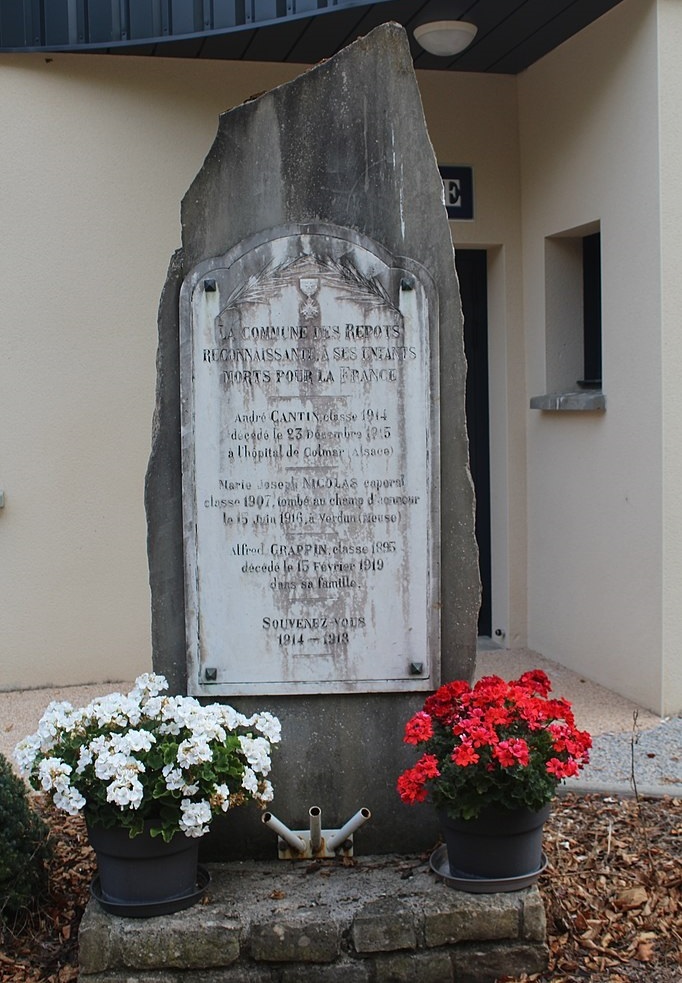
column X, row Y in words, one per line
column 144, row 870
column 499, row 843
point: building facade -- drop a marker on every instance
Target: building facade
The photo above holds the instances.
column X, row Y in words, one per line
column 585, row 487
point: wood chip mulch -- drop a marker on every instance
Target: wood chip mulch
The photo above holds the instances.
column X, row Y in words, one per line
column 612, row 891
column 44, row 947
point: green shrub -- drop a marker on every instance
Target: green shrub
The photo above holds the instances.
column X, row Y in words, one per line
column 23, row 848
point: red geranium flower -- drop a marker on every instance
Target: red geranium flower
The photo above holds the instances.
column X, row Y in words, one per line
column 442, row 703
column 562, row 769
column 465, row 755
column 536, row 681
column 496, row 743
column 419, row 728
column 412, row 783
column 512, row 752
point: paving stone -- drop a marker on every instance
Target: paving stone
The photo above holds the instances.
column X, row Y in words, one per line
column 94, row 941
column 421, row 967
column 383, row 926
column 182, row 947
column 303, row 941
column 201, row 939
column 485, row 963
column 239, row 973
column 533, row 918
column 344, row 971
column 459, row 917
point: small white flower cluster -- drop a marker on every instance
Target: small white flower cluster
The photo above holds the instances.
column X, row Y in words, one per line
column 130, row 752
column 195, row 817
column 54, row 777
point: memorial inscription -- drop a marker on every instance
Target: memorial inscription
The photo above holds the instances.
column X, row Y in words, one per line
column 309, row 384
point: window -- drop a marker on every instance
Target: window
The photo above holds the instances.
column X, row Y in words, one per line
column 591, row 312
column 573, row 321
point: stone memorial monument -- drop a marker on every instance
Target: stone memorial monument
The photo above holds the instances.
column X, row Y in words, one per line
column 310, row 509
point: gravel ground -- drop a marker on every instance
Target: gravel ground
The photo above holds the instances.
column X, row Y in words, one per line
column 626, row 738
column 653, row 756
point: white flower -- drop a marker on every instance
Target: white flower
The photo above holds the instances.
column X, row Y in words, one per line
column 195, row 817
column 108, row 764
column 153, row 707
column 230, row 717
column 70, row 800
column 115, row 710
column 137, row 740
column 174, row 778
column 111, row 741
column 261, row 791
column 126, row 791
column 176, row 712
column 170, row 728
column 56, row 719
column 193, row 751
column 250, row 781
column 266, row 792
column 256, row 751
column 54, row 774
column 25, row 754
column 209, row 723
column 148, row 685
column 221, row 797
column 57, row 715
column 268, row 725
column 85, row 758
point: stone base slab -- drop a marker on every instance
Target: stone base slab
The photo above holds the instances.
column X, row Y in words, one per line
column 376, row 919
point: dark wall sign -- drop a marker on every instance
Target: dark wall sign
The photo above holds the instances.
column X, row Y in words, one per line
column 458, row 185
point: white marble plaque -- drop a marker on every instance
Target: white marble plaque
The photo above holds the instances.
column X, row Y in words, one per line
column 309, row 386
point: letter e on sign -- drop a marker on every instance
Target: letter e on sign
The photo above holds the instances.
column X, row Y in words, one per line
column 458, row 189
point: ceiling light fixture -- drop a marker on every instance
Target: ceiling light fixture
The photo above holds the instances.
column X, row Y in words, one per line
column 445, row 37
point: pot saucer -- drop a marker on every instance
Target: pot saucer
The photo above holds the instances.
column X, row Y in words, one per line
column 480, row 885
column 147, row 909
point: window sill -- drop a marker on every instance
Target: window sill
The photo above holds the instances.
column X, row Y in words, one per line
column 580, row 401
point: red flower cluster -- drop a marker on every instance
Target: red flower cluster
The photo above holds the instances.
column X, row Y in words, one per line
column 412, row 783
column 418, row 729
column 496, row 742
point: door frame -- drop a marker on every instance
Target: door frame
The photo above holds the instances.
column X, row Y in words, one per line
column 473, row 282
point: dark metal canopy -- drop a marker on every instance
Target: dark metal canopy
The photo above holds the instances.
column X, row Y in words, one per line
column 512, row 34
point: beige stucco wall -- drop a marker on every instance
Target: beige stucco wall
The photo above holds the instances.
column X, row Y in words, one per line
column 670, row 45
column 589, row 128
column 95, row 157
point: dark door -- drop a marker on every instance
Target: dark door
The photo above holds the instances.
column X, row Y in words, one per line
column 472, row 272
